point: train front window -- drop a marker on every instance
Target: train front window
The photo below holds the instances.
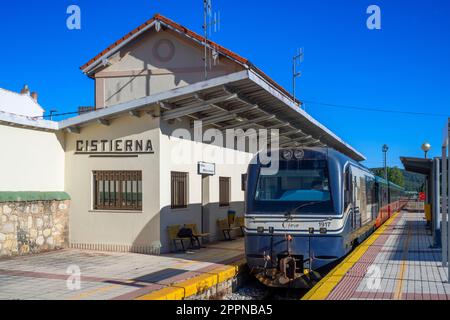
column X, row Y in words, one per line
column 296, row 183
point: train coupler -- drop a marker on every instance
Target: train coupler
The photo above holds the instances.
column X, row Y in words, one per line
column 275, row 278
column 288, row 266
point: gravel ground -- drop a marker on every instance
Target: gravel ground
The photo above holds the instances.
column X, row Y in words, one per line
column 256, row 291
column 252, row 291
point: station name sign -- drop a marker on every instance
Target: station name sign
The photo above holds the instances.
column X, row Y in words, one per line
column 208, row 169
column 114, row 147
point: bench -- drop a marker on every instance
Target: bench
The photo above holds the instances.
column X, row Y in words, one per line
column 197, row 234
column 173, row 236
column 226, row 229
column 240, row 223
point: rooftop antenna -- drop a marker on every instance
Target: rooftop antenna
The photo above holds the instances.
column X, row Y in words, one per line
column 296, row 62
column 211, row 22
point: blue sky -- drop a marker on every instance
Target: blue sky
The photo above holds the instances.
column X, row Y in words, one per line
column 405, row 66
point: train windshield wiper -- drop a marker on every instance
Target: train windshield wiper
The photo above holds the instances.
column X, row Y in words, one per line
column 295, row 210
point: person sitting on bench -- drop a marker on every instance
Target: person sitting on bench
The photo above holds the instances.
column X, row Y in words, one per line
column 188, row 233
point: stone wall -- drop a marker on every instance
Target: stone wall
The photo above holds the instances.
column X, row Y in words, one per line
column 33, row 226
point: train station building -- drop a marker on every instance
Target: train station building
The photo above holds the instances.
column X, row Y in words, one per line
column 115, row 177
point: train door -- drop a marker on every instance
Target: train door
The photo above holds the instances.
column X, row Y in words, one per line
column 353, row 195
column 365, row 213
column 384, row 203
column 349, row 197
column 371, row 199
column 357, row 201
column 389, row 208
column 377, row 201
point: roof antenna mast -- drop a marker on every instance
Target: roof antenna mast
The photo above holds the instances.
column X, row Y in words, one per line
column 296, row 62
column 210, row 20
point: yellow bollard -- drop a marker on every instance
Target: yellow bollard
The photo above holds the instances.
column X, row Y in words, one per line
column 428, row 212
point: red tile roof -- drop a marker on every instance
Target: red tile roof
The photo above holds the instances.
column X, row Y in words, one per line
column 186, row 31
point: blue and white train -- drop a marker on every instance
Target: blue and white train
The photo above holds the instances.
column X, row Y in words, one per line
column 312, row 212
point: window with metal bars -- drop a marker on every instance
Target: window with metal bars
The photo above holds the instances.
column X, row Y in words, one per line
column 224, row 191
column 179, row 190
column 118, row 190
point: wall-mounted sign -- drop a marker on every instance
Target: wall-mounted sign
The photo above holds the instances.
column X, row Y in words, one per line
column 422, row 196
column 114, row 147
column 206, row 168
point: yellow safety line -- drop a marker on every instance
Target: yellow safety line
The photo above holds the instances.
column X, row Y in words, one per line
column 322, row 289
column 399, row 284
column 195, row 285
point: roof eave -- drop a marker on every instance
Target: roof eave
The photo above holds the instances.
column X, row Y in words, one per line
column 145, row 101
column 27, row 122
column 88, row 68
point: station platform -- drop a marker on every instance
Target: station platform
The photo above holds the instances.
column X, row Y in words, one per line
column 397, row 262
column 122, row 276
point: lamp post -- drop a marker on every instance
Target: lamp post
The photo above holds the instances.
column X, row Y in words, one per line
column 426, row 147
column 385, row 150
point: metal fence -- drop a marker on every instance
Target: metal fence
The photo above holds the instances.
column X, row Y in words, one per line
column 415, row 206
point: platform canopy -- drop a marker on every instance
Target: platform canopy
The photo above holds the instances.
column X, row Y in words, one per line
column 417, row 165
column 241, row 100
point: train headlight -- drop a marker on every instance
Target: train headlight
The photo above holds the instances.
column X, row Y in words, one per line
column 323, row 231
column 287, row 154
column 260, row 230
column 311, row 230
column 299, row 154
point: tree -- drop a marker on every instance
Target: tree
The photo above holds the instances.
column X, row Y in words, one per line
column 395, row 175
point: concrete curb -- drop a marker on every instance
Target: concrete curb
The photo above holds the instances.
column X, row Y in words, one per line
column 215, row 279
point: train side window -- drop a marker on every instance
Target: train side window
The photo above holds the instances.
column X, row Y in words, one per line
column 377, row 192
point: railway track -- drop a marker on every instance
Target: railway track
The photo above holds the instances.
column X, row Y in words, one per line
column 254, row 290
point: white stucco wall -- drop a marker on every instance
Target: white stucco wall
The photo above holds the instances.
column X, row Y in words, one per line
column 109, row 229
column 174, row 158
column 31, row 160
column 153, row 63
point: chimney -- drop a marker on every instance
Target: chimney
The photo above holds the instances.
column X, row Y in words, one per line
column 34, row 95
column 25, row 90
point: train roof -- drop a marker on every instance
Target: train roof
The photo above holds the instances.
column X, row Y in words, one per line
column 342, row 158
column 391, row 184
